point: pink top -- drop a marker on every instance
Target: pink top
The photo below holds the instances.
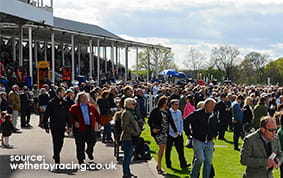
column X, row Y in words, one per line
column 189, row 108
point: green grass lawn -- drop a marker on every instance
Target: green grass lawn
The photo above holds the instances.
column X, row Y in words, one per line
column 226, row 160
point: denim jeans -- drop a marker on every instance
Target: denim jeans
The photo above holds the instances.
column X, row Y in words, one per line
column 203, row 152
column 107, row 132
column 128, row 152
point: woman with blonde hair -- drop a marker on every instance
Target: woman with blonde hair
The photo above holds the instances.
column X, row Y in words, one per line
column 130, row 129
column 248, row 115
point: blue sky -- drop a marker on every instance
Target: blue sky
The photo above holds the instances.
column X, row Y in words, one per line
column 254, row 25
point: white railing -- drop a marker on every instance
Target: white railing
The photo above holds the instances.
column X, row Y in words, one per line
column 150, row 103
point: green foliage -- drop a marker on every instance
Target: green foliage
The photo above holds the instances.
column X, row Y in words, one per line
column 274, row 70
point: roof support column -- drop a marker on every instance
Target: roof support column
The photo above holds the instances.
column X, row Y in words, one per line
column 45, row 49
column 156, row 63
column 137, row 63
column 21, row 46
column 35, row 52
column 52, row 56
column 126, row 63
column 112, row 59
column 79, row 59
column 14, row 48
column 98, row 62
column 90, row 57
column 73, row 57
column 30, row 54
column 63, row 55
column 147, row 66
column 105, row 59
column 116, row 69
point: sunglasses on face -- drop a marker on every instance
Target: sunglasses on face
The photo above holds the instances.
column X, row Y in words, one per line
column 271, row 130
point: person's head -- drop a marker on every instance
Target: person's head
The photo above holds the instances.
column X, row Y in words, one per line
column 189, row 99
column 162, row 102
column 248, row 101
column 128, row 91
column 240, row 99
column 42, row 91
column 105, row 94
column 139, row 92
column 15, row 88
column 209, row 105
column 70, row 93
column 82, row 98
column 26, row 90
column 262, row 100
column 46, row 86
column 3, row 95
column 175, row 104
column 200, row 104
column 268, row 127
column 130, row 103
column 60, row 92
column 224, row 97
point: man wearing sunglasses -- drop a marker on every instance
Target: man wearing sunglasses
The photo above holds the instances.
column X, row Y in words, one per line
column 261, row 151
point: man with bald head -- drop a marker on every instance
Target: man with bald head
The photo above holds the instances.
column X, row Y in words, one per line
column 261, row 151
column 204, row 126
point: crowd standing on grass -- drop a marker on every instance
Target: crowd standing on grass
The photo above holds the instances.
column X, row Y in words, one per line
column 203, row 112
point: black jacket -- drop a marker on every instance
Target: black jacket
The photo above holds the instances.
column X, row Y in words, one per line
column 223, row 113
column 247, row 114
column 57, row 111
column 25, row 101
column 204, row 125
column 155, row 120
column 140, row 107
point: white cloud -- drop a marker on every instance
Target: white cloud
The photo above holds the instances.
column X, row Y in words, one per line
column 250, row 25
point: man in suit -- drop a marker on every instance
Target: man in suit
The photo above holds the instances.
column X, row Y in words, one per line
column 83, row 116
column 25, row 108
column 223, row 115
column 258, row 148
column 58, row 113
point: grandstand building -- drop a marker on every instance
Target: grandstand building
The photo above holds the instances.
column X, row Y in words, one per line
column 30, row 34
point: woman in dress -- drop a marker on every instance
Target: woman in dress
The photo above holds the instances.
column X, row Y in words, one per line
column 158, row 121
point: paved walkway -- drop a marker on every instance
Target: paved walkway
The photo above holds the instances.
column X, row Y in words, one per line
column 36, row 142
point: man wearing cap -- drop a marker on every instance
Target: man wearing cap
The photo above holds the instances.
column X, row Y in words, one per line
column 15, row 103
column 178, row 140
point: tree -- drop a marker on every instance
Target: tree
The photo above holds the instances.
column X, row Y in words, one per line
column 160, row 59
column 195, row 60
column 225, row 58
column 274, row 70
column 257, row 62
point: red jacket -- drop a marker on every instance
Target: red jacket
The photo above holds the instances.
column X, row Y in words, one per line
column 77, row 116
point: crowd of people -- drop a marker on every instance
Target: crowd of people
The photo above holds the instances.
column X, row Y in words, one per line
column 202, row 113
